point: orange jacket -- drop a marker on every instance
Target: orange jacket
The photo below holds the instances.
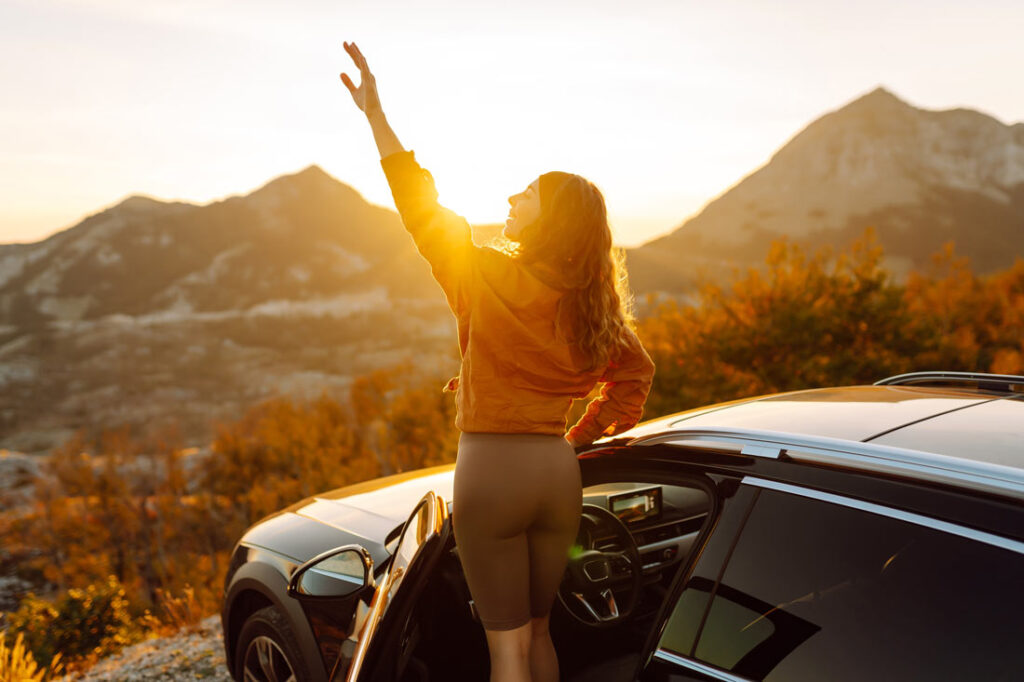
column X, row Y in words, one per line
column 516, row 375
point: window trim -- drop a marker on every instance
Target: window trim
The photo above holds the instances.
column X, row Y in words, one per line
column 699, row 667
column 890, row 512
column 918, row 465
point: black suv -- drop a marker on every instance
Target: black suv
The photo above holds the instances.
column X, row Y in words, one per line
column 852, row 533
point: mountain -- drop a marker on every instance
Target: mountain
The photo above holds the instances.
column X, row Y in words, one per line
column 920, row 177
column 150, row 310
column 300, row 237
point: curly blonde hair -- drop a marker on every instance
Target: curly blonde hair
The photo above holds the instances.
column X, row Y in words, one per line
column 570, row 245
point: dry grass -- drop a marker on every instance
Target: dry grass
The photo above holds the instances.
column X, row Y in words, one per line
column 181, row 611
column 18, row 665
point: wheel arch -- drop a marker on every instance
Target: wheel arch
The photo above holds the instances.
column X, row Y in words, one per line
column 257, row 585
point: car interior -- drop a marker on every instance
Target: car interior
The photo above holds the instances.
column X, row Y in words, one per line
column 663, row 520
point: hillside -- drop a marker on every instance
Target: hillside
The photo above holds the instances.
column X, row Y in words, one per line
column 920, row 177
column 300, row 237
column 150, row 311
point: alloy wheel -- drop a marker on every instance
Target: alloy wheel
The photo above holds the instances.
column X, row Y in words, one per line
column 265, row 662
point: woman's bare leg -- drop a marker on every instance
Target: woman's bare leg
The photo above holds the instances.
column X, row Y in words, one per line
column 543, row 660
column 510, row 654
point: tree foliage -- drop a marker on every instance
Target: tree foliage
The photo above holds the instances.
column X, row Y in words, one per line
column 161, row 520
column 830, row 319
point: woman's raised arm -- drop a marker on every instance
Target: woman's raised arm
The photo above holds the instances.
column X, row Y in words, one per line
column 366, row 98
column 442, row 237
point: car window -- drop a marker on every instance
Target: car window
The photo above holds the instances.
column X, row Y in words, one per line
column 412, row 538
column 816, row 590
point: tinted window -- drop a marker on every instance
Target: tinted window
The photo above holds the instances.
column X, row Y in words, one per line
column 681, row 628
column 817, row 591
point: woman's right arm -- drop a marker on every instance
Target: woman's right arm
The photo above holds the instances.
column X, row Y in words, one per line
column 442, row 237
column 627, row 381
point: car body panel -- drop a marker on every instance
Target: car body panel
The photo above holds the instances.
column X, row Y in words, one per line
column 818, row 411
column 338, row 514
column 360, row 514
column 358, row 494
column 827, row 412
column 989, row 432
column 396, row 500
column 657, row 424
column 301, row 538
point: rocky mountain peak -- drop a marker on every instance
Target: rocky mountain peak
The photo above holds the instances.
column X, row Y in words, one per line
column 879, row 99
column 875, row 116
column 313, row 171
column 311, row 181
column 919, row 177
column 140, row 202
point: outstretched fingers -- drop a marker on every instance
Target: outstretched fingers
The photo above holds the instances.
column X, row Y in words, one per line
column 348, row 83
column 365, row 95
column 359, row 59
column 353, row 52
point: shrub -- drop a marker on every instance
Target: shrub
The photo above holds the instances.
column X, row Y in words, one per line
column 81, row 626
column 821, row 320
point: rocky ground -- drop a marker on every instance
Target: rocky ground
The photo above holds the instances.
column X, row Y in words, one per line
column 195, row 653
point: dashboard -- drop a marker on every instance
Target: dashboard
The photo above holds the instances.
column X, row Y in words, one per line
column 663, row 519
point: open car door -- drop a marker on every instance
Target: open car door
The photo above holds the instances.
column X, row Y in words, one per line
column 381, row 631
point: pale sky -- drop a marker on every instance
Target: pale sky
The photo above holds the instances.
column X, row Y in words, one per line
column 663, row 105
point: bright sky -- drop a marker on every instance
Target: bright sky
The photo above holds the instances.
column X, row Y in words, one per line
column 662, row 104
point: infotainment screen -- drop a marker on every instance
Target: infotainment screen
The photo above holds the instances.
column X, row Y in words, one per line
column 636, row 505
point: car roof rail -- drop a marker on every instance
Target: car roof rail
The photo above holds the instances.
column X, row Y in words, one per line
column 837, row 452
column 1006, row 383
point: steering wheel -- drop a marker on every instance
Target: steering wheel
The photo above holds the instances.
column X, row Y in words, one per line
column 601, row 587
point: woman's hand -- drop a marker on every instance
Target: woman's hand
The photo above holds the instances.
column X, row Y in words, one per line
column 365, row 96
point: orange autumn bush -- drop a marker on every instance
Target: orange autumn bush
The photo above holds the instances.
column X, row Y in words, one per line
column 830, row 319
column 142, row 513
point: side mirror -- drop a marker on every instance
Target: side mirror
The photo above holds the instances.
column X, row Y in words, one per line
column 338, row 572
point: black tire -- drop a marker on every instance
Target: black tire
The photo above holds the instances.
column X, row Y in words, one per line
column 268, row 647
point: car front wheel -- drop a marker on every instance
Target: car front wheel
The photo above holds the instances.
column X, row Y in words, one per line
column 267, row 650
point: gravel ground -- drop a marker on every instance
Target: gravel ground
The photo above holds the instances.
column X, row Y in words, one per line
column 185, row 657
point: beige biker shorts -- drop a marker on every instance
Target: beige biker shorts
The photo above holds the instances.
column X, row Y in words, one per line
column 516, row 509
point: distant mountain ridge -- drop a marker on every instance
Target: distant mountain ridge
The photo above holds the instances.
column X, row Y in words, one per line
column 920, row 177
column 153, row 311
column 298, row 237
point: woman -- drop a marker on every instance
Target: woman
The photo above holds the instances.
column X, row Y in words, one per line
column 538, row 324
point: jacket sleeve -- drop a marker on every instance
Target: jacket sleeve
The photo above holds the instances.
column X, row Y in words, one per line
column 627, row 381
column 442, row 237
